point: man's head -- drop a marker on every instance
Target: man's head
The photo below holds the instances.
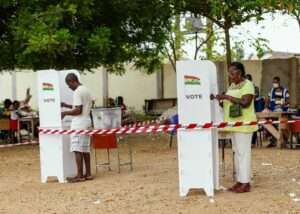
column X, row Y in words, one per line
column 236, row 72
column 72, row 81
column 120, row 100
column 16, row 104
column 276, row 82
column 7, row 103
column 249, row 77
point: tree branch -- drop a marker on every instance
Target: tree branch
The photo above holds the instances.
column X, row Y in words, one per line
column 171, row 59
column 202, row 43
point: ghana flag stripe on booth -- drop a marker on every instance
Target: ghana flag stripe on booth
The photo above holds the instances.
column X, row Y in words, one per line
column 191, row 80
column 47, row 86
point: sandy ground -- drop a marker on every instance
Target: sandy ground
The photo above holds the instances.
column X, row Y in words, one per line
column 152, row 187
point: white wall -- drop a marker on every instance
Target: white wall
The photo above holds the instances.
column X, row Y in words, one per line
column 94, row 82
column 135, row 86
column 169, row 80
column 5, row 85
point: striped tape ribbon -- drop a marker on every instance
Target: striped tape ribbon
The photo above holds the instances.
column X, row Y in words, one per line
column 156, row 128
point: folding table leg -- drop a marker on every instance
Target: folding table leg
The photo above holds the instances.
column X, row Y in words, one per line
column 96, row 165
column 119, row 167
column 223, row 143
column 130, row 155
column 171, row 140
column 108, row 160
column 233, row 167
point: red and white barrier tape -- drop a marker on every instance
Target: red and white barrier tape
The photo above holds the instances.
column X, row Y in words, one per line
column 18, row 144
column 156, row 128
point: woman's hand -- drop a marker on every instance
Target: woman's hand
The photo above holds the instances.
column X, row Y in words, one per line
column 221, row 97
column 245, row 101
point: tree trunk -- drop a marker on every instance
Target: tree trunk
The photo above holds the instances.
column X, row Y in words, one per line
column 210, row 41
column 196, row 48
column 227, row 26
column 177, row 41
column 228, row 46
column 298, row 20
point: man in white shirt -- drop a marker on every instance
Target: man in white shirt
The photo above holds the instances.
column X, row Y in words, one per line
column 80, row 110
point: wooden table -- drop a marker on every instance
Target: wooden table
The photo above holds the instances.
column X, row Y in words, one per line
column 277, row 133
column 4, row 124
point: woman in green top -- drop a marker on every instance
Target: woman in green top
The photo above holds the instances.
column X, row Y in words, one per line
column 238, row 104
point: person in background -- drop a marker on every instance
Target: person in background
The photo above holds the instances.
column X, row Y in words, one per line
column 120, row 103
column 7, row 108
column 278, row 101
column 249, row 77
column 259, row 105
column 110, row 102
column 238, row 105
column 80, row 110
column 14, row 120
column 278, row 98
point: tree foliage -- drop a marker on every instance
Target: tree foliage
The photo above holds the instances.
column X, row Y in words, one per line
column 227, row 13
column 291, row 7
column 41, row 34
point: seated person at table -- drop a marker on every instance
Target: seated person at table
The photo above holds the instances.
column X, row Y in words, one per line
column 110, row 102
column 120, row 103
column 278, row 99
column 23, row 105
column 7, row 108
column 14, row 120
column 125, row 115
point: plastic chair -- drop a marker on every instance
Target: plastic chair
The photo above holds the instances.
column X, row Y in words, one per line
column 109, row 142
column 295, row 131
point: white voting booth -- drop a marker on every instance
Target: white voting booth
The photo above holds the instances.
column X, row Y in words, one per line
column 55, row 156
column 197, row 149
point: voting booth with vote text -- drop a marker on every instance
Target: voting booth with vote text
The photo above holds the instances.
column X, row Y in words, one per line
column 55, row 157
column 198, row 148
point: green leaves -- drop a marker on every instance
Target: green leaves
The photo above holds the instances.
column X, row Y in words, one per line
column 100, row 40
column 38, row 34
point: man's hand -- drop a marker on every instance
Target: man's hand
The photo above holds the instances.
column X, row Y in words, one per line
column 28, row 96
column 28, row 91
column 63, row 114
column 74, row 112
column 65, row 105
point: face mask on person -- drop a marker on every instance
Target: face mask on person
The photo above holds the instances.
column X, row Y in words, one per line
column 275, row 85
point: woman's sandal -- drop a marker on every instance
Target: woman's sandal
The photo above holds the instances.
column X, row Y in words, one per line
column 88, row 178
column 75, row 179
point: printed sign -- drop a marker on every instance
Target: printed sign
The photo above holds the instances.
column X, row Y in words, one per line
column 192, row 87
column 49, row 98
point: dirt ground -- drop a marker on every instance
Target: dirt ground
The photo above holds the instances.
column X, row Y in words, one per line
column 152, row 187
